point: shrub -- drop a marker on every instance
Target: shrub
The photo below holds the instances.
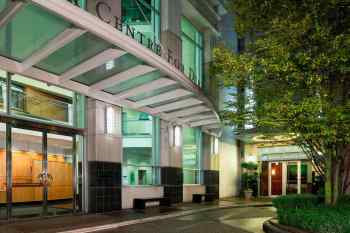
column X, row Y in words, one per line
column 297, row 201
column 309, row 213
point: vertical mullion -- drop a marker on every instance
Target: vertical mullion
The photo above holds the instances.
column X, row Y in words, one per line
column 45, row 173
column 74, row 176
column 9, row 170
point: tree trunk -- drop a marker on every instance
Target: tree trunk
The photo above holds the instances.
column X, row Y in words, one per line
column 333, row 181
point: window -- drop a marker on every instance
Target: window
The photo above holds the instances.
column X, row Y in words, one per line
column 31, row 98
column 144, row 16
column 192, row 51
column 140, row 136
column 191, row 155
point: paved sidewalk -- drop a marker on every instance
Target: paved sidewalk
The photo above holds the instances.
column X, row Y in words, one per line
column 93, row 223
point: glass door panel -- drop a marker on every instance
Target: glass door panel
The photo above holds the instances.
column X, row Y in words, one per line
column 306, row 178
column 3, row 184
column 28, row 178
column 276, row 178
column 60, row 152
column 292, row 178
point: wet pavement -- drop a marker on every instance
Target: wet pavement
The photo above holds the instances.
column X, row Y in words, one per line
column 226, row 215
column 235, row 220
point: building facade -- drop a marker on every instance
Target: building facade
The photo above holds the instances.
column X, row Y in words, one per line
column 105, row 101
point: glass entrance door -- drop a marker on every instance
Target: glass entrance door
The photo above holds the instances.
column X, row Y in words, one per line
column 28, row 173
column 3, row 179
column 61, row 172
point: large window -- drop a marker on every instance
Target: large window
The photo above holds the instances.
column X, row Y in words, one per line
column 30, row 98
column 144, row 16
column 191, row 155
column 192, row 51
column 140, row 133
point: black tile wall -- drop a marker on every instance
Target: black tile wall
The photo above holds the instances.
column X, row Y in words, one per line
column 104, row 186
column 172, row 180
column 211, row 182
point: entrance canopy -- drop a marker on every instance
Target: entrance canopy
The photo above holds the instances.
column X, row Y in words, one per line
column 57, row 42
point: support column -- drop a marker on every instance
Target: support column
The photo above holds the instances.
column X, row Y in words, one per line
column 104, row 153
column 171, row 162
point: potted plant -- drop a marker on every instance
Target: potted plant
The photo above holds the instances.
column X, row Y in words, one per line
column 249, row 179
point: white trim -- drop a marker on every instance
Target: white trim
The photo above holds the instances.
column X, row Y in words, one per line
column 204, row 122
column 163, row 97
column 148, row 87
column 198, row 117
column 122, row 77
column 177, row 105
column 190, row 111
column 55, row 44
column 10, row 11
column 92, row 63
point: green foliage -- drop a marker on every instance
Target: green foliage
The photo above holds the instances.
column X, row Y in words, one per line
column 306, row 212
column 297, row 70
column 249, row 178
column 297, row 201
column 249, row 166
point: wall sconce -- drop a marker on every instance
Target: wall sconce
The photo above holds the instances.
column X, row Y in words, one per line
column 177, row 136
column 111, row 120
column 216, row 145
column 273, row 172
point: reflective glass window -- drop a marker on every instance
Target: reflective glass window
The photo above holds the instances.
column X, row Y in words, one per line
column 191, row 155
column 144, row 16
column 192, row 51
column 139, row 154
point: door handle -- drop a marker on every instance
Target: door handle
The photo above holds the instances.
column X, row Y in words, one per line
column 45, row 178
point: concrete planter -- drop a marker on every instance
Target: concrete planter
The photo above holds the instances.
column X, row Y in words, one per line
column 248, row 194
column 272, row 226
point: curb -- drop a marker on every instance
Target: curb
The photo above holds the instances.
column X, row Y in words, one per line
column 157, row 218
column 271, row 226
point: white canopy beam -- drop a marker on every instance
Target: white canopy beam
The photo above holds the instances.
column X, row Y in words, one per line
column 122, row 77
column 204, row 122
column 199, row 117
column 10, row 11
column 190, row 111
column 178, row 93
column 92, row 63
column 55, row 44
column 213, row 126
column 177, row 105
column 154, row 85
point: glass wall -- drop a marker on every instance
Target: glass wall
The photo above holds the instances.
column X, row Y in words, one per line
column 139, row 154
column 192, row 51
column 31, row 98
column 292, row 178
column 144, row 16
column 60, row 160
column 191, row 155
column 3, row 182
column 28, row 176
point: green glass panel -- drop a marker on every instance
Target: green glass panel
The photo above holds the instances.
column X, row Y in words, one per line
column 28, row 31
column 133, row 82
column 190, row 148
column 79, row 50
column 109, row 69
column 188, row 29
column 2, row 4
column 155, row 92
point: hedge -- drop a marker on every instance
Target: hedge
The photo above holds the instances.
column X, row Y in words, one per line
column 307, row 212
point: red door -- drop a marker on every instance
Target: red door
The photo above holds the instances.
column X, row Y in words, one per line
column 276, row 178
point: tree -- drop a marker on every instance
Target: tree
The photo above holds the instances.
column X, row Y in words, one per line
column 297, row 64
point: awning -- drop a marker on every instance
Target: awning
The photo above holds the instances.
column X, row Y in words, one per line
column 58, row 43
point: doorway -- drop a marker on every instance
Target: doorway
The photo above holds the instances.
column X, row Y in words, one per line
column 38, row 171
column 276, row 179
